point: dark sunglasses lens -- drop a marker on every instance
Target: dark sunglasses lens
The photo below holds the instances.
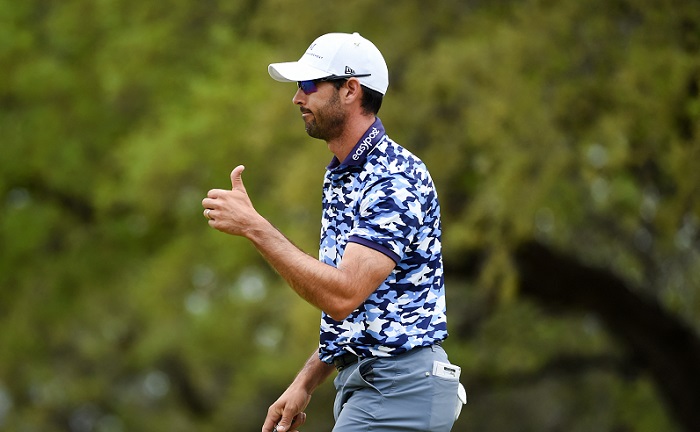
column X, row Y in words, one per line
column 307, row 87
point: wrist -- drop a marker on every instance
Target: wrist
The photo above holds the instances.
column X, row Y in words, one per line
column 257, row 229
column 312, row 375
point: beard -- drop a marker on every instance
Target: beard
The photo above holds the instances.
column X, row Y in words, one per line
column 328, row 122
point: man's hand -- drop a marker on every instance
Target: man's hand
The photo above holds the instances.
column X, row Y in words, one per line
column 231, row 211
column 287, row 413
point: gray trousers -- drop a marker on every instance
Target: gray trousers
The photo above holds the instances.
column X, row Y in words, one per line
column 399, row 393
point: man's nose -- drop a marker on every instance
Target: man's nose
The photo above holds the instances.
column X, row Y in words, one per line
column 299, row 97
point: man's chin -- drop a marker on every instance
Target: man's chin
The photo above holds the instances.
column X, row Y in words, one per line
column 312, row 130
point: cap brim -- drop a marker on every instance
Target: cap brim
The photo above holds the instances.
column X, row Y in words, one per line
column 295, row 71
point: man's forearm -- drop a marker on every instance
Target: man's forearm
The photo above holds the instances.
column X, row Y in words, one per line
column 313, row 374
column 323, row 286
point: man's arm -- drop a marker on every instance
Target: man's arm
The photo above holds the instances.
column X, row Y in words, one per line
column 336, row 291
column 288, row 410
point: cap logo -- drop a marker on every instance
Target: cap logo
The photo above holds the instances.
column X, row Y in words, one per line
column 312, row 54
column 349, row 71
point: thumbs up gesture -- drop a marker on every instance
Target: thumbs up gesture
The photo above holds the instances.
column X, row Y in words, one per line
column 231, row 211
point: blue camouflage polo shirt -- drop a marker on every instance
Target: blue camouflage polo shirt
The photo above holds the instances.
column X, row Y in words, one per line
column 383, row 197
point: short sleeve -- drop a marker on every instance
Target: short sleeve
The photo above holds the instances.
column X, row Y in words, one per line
column 390, row 215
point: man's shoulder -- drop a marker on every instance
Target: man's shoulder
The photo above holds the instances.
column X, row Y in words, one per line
column 390, row 158
column 392, row 161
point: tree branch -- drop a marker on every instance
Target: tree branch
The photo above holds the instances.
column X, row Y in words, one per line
column 663, row 343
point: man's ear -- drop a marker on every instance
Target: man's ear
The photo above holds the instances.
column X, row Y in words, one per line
column 353, row 90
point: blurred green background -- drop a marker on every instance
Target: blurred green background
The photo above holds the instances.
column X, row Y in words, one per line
column 563, row 136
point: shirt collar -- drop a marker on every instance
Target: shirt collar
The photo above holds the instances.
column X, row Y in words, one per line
column 364, row 146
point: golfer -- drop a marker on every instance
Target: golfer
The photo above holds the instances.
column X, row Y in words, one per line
column 379, row 277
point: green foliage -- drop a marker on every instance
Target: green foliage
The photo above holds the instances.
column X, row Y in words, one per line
column 572, row 122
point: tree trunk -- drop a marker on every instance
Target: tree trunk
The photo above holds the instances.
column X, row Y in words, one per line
column 664, row 345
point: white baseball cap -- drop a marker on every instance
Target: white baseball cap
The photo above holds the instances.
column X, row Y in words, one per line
column 337, row 54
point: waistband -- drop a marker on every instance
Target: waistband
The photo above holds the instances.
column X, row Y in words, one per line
column 348, row 359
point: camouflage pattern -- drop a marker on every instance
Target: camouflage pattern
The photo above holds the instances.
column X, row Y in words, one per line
column 383, row 197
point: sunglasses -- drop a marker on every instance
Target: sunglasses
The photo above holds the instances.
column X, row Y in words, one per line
column 309, row 86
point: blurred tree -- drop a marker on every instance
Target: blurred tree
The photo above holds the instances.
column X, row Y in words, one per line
column 563, row 137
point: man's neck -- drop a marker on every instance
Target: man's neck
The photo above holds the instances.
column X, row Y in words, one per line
column 343, row 145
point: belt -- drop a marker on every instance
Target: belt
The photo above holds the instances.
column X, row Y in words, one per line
column 344, row 360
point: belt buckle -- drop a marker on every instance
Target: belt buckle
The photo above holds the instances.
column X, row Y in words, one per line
column 344, row 360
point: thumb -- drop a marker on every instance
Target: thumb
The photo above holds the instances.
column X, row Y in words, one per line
column 285, row 422
column 236, row 180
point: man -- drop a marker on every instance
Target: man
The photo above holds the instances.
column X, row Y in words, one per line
column 379, row 279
